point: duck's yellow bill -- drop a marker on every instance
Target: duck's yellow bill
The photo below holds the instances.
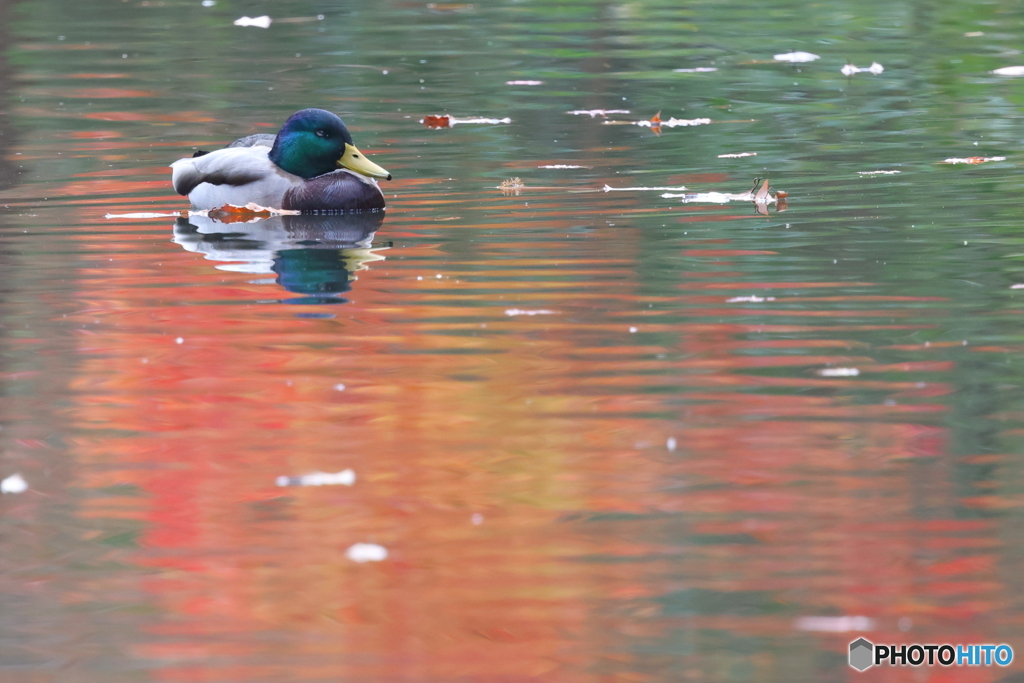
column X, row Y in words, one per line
column 354, row 160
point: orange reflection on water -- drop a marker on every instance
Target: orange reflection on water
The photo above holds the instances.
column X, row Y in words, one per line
column 515, row 467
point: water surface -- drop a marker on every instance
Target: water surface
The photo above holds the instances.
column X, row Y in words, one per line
column 602, row 435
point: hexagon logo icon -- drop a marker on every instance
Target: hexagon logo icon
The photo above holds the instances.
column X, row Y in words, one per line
column 861, row 654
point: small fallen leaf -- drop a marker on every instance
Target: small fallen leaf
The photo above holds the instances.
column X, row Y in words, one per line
column 229, row 213
column 761, row 195
column 796, row 57
column 258, row 22
column 447, row 120
column 511, row 187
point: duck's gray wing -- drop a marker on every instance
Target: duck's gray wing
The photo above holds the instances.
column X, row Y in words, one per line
column 229, row 166
column 257, row 140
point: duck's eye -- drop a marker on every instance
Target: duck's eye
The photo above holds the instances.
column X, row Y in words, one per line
column 322, row 133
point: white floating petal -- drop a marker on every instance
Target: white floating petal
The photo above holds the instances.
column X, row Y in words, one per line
column 1009, row 71
column 609, row 188
column 796, row 57
column 258, row 22
column 343, row 478
column 839, row 372
column 14, row 484
column 366, row 552
column 671, row 123
column 834, row 624
column 753, row 299
column 596, row 112
column 520, row 311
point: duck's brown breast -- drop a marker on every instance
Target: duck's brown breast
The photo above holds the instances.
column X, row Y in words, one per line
column 336, row 191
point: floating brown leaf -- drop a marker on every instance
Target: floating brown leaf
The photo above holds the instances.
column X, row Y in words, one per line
column 447, row 120
column 511, row 187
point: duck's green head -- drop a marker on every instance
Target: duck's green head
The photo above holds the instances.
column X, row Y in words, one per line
column 313, row 142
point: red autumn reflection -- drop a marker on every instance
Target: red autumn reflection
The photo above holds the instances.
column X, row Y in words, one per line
column 553, row 490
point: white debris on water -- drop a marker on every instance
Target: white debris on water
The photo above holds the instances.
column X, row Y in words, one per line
column 609, row 188
column 343, row 478
column 838, row 372
column 14, row 484
column 842, row 624
column 142, row 215
column 796, row 57
column 670, row 444
column 258, row 22
column 477, row 518
column 366, row 552
column 697, row 70
column 564, row 166
column 972, row 160
column 339, row 387
column 1009, row 71
column 632, row 330
column 737, row 155
column 877, row 172
column 671, row 123
column 521, row 311
column 750, row 299
column 850, row 69
column 596, row 112
column 179, row 340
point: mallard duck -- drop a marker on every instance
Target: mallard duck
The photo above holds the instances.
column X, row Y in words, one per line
column 310, row 165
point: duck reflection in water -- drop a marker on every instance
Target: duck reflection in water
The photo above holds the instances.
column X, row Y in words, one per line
column 315, row 256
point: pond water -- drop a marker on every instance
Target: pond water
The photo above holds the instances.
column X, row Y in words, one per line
column 593, row 435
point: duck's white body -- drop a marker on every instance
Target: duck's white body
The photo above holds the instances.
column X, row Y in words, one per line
column 234, row 175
